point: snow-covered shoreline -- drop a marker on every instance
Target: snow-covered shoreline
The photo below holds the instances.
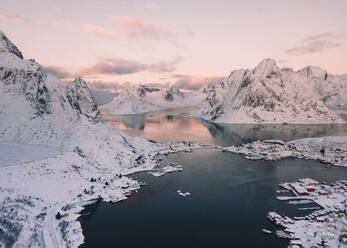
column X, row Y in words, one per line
column 331, row 150
column 326, row 227
column 64, row 183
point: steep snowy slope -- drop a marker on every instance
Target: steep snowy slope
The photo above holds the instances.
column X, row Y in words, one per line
column 80, row 154
column 145, row 99
column 269, row 94
column 333, row 92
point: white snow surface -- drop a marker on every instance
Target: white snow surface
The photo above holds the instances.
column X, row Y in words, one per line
column 142, row 99
column 272, row 95
column 62, row 154
column 15, row 153
column 329, row 149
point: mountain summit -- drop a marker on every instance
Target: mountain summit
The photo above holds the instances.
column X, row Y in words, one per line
column 6, row 46
column 269, row 94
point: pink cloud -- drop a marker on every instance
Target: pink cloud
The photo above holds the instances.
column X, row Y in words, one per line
column 98, row 31
column 318, row 43
column 192, row 82
column 14, row 18
column 135, row 28
column 119, row 66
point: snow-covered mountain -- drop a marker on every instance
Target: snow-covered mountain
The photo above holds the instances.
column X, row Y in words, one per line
column 143, row 99
column 57, row 153
column 269, row 94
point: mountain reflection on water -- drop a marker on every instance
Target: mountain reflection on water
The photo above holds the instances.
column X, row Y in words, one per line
column 177, row 125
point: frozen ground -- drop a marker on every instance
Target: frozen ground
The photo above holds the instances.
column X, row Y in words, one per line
column 16, row 153
column 330, row 150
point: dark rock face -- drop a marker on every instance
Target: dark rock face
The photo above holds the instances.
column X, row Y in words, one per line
column 82, row 100
column 142, row 90
column 216, row 106
column 31, row 84
column 169, row 95
column 7, row 46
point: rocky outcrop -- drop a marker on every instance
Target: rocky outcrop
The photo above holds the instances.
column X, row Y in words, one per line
column 6, row 46
column 30, row 83
column 172, row 93
column 82, row 100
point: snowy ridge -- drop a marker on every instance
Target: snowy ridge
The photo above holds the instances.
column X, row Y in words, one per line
column 146, row 99
column 83, row 157
column 269, row 94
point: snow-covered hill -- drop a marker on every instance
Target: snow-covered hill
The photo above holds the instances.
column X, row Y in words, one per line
column 269, row 94
column 143, row 99
column 78, row 158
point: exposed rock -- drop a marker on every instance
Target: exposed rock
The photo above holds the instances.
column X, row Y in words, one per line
column 6, row 46
column 82, row 100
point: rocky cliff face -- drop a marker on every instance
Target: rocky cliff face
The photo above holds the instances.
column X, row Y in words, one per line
column 82, row 100
column 269, row 94
column 172, row 93
column 31, row 84
column 35, row 106
column 6, row 46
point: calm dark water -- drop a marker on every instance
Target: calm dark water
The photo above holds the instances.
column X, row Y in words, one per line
column 231, row 196
column 230, row 199
column 177, row 125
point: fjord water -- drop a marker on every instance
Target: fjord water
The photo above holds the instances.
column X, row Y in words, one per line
column 177, row 125
column 230, row 196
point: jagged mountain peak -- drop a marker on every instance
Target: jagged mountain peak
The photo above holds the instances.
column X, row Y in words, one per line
column 266, row 66
column 82, row 100
column 6, row 46
column 268, row 94
column 80, row 81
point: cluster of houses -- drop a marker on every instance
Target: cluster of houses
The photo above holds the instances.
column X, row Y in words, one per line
column 306, row 186
column 326, row 227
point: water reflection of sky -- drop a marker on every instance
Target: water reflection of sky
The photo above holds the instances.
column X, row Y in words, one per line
column 166, row 126
column 177, row 125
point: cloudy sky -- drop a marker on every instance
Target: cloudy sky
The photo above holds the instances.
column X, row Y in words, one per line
column 189, row 42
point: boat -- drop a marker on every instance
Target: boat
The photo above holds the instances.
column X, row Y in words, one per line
column 266, row 231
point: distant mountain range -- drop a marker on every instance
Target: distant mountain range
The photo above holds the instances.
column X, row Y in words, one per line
column 151, row 98
column 269, row 94
column 265, row 94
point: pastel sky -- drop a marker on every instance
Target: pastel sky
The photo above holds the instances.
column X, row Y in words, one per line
column 189, row 42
